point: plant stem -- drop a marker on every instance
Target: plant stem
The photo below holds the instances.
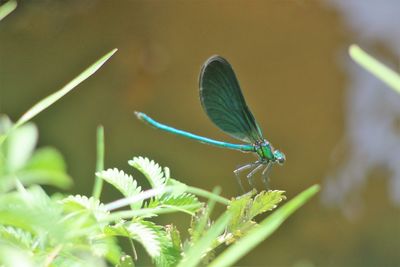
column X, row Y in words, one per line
column 98, row 184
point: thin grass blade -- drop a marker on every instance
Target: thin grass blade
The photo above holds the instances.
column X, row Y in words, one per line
column 51, row 99
column 384, row 73
column 7, row 8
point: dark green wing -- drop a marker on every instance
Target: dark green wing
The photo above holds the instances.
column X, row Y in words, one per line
column 224, row 103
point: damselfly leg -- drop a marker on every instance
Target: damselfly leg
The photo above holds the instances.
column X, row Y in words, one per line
column 251, row 174
column 240, row 170
column 265, row 174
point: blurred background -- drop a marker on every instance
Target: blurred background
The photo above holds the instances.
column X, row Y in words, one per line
column 337, row 125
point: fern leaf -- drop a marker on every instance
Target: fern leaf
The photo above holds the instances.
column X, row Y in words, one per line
column 151, row 170
column 78, row 202
column 152, row 237
column 143, row 233
column 123, row 183
column 16, row 237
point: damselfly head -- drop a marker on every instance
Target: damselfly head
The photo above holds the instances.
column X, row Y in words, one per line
column 279, row 157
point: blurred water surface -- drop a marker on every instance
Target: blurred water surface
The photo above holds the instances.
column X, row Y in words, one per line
column 337, row 125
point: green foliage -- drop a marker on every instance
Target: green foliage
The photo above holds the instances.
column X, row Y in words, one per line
column 20, row 162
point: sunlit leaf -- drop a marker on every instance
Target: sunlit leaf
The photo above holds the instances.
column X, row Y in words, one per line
column 123, row 183
column 238, row 208
column 46, row 166
column 79, row 202
column 144, row 233
column 16, row 237
column 265, row 201
column 20, row 146
column 150, row 169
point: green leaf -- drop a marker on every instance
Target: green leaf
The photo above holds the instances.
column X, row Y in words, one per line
column 185, row 202
column 16, row 237
column 143, row 232
column 20, row 146
column 51, row 99
column 385, row 74
column 151, row 236
column 123, row 183
column 265, row 201
column 245, row 208
column 151, row 170
column 32, row 210
column 238, row 208
column 79, row 203
column 46, row 166
column 264, row 230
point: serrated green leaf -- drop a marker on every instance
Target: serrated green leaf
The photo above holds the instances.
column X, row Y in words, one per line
column 237, row 209
column 32, row 210
column 79, row 202
column 143, row 232
column 185, row 202
column 151, row 236
column 16, row 237
column 150, row 169
column 265, row 201
column 123, row 183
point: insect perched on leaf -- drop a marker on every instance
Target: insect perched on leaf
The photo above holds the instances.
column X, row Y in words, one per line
column 223, row 101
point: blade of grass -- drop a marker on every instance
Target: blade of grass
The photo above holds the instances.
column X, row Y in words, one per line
column 51, row 99
column 98, row 184
column 7, row 8
column 264, row 230
column 384, row 73
column 195, row 253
